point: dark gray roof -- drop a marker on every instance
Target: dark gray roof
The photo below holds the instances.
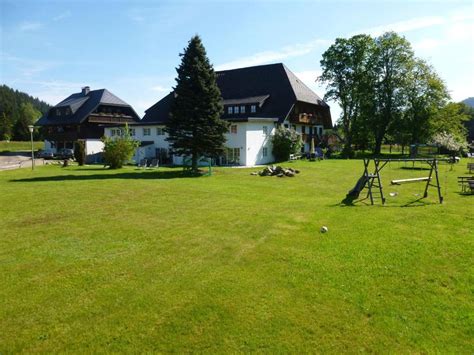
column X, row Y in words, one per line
column 274, row 87
column 82, row 105
column 301, row 91
column 260, row 100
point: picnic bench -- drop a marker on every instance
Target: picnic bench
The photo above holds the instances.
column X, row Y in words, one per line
column 467, row 184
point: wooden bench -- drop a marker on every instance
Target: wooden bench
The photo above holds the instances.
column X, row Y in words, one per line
column 295, row 156
column 470, row 167
column 467, row 183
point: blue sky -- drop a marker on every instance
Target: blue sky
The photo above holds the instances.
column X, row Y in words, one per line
column 51, row 49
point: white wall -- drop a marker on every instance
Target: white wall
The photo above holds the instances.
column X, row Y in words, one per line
column 238, row 140
column 94, row 146
column 257, row 140
column 249, row 139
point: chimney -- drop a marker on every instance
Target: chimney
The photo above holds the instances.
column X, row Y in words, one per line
column 85, row 90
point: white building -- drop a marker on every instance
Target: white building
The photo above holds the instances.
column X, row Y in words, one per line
column 256, row 100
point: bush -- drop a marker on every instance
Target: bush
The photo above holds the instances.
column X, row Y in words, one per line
column 452, row 143
column 119, row 150
column 285, row 141
column 80, row 152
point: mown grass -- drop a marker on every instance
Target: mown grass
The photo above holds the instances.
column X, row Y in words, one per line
column 16, row 146
column 95, row 260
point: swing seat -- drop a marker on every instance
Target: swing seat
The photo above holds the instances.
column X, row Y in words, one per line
column 401, row 181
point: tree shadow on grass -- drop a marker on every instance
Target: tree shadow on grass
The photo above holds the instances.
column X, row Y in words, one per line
column 364, row 202
column 145, row 175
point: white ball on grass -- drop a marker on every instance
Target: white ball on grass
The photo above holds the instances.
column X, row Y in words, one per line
column 324, row 229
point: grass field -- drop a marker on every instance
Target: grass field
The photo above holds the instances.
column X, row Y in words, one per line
column 95, row 260
column 19, row 146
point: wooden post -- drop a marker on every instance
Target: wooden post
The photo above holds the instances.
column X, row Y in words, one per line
column 435, row 163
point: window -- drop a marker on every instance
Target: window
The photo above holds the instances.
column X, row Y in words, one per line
column 265, row 130
column 233, row 129
column 303, row 129
column 159, row 131
column 132, row 131
column 230, row 110
column 232, row 156
column 146, row 131
column 242, row 109
column 112, row 132
column 236, row 109
column 58, row 112
column 265, row 151
column 253, row 108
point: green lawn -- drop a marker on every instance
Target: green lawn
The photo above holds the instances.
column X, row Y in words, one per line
column 19, row 146
column 94, row 260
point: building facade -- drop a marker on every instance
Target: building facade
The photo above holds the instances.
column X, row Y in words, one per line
column 256, row 101
column 83, row 117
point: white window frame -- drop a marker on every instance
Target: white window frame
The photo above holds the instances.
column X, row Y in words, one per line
column 230, row 110
column 253, row 108
column 265, row 152
column 236, row 109
column 146, row 132
column 132, row 132
column 242, row 109
column 159, row 131
column 233, row 129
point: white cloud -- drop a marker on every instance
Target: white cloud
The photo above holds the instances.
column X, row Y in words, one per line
column 27, row 67
column 30, row 26
column 416, row 23
column 296, row 50
column 426, row 44
column 309, row 77
column 160, row 88
column 461, row 31
column 62, row 16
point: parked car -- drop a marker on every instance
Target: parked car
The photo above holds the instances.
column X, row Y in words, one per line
column 45, row 154
column 65, row 153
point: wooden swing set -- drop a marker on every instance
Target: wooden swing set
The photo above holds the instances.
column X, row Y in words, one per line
column 373, row 183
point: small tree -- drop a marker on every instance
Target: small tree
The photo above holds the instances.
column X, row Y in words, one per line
column 452, row 143
column 80, row 152
column 285, row 141
column 119, row 150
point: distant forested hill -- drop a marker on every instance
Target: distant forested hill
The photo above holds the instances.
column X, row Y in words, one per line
column 469, row 102
column 17, row 111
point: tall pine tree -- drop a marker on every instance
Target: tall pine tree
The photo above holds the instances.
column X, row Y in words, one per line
column 195, row 128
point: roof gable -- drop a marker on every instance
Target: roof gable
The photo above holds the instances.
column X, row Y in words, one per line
column 82, row 105
column 301, row 91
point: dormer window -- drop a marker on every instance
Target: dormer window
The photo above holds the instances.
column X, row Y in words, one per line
column 236, row 109
column 253, row 108
column 242, row 109
column 230, row 110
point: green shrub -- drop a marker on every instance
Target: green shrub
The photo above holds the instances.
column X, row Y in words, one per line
column 119, row 150
column 285, row 141
column 80, row 152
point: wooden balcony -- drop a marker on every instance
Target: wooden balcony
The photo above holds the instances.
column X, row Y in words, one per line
column 112, row 119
